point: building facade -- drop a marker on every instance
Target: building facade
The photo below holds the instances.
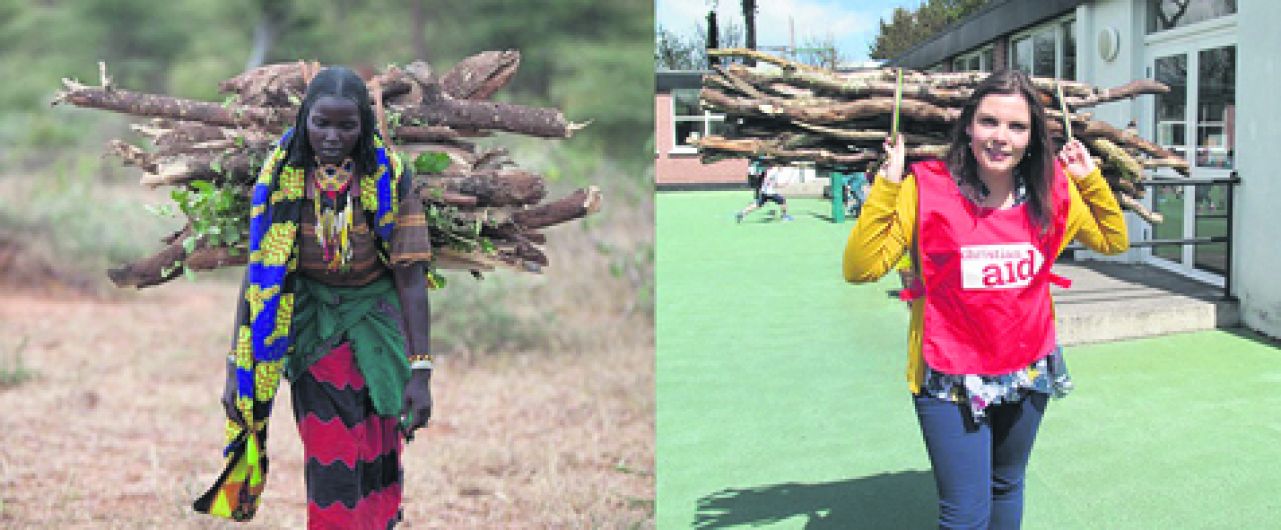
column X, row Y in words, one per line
column 1219, row 59
column 678, row 119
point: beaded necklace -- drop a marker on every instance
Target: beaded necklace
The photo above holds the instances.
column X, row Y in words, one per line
column 333, row 212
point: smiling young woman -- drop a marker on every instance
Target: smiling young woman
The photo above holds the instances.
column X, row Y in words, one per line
column 983, row 228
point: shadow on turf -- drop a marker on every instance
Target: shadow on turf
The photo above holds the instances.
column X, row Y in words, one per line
column 904, row 499
column 827, row 218
column 761, row 218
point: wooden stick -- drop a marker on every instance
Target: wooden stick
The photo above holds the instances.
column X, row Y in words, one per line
column 760, row 56
column 1067, row 123
column 1133, row 205
column 898, row 99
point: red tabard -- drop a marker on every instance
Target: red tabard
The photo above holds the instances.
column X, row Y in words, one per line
column 985, row 277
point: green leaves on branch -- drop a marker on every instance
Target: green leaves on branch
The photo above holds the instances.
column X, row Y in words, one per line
column 462, row 234
column 431, row 163
column 219, row 215
column 435, row 280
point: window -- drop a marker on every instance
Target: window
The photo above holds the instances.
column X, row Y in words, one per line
column 1216, row 107
column 1170, row 14
column 1171, row 106
column 980, row 61
column 1043, row 54
column 1046, row 51
column 1067, row 52
column 690, row 121
column 1022, row 59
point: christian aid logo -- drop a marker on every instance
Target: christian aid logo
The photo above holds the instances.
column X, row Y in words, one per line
column 999, row 266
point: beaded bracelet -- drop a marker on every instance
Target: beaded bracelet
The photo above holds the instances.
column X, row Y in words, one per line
column 421, row 361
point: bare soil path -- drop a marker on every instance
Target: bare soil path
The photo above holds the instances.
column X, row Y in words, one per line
column 120, row 426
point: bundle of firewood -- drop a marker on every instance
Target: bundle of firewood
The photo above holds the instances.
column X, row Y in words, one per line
column 792, row 112
column 484, row 211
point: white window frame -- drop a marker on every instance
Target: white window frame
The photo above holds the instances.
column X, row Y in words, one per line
column 985, row 64
column 1060, row 46
column 1179, row 33
column 1189, row 40
column 678, row 146
column 1056, row 26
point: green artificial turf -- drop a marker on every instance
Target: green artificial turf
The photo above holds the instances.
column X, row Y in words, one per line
column 782, row 399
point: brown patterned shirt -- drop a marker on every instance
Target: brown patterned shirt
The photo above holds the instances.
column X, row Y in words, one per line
column 410, row 242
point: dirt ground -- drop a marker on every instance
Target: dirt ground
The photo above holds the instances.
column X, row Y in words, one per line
column 120, row 427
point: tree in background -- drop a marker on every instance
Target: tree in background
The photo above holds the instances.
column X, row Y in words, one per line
column 585, row 57
column 749, row 18
column 821, row 52
column 675, row 51
column 908, row 28
column 273, row 18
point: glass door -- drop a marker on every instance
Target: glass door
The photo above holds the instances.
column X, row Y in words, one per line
column 1195, row 120
column 1171, row 133
column 1215, row 150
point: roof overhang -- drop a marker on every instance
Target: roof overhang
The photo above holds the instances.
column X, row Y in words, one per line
column 666, row 80
column 1000, row 17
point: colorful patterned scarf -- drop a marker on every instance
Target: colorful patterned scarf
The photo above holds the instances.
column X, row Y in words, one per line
column 263, row 340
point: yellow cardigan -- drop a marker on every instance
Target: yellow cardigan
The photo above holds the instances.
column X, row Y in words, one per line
column 885, row 229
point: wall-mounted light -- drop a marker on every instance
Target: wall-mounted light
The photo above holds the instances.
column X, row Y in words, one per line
column 1109, row 43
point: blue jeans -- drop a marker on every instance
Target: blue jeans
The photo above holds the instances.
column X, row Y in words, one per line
column 979, row 468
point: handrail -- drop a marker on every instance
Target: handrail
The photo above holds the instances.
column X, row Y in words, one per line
column 1231, row 182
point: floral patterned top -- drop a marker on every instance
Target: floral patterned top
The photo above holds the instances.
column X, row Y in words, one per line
column 1047, row 376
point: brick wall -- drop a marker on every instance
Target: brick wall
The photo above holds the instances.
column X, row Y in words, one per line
column 686, row 168
column 1001, row 54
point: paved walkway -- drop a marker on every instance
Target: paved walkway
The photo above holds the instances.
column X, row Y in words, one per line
column 1112, row 301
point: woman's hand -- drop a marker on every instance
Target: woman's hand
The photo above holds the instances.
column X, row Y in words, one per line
column 1076, row 159
column 417, row 409
column 229, row 396
column 895, row 154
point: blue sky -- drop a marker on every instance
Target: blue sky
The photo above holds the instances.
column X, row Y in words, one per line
column 852, row 23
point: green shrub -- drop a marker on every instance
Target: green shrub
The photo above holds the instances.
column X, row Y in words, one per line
column 13, row 371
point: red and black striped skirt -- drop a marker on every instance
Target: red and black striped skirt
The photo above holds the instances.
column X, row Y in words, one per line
column 351, row 454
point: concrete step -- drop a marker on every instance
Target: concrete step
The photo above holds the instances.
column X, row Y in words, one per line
column 1114, row 301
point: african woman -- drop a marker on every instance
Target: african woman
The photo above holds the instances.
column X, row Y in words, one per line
column 334, row 299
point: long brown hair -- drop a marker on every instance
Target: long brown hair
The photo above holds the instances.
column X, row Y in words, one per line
column 1036, row 168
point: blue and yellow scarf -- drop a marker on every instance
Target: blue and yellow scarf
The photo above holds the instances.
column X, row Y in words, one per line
column 263, row 338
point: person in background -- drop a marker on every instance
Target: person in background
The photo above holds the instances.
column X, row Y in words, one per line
column 855, row 194
column 767, row 191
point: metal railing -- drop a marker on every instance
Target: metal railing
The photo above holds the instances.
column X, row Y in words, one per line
column 1230, row 182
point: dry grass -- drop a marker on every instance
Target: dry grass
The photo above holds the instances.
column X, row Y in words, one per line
column 121, row 427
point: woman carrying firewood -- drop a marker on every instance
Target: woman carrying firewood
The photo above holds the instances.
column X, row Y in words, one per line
column 334, row 299
column 983, row 228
